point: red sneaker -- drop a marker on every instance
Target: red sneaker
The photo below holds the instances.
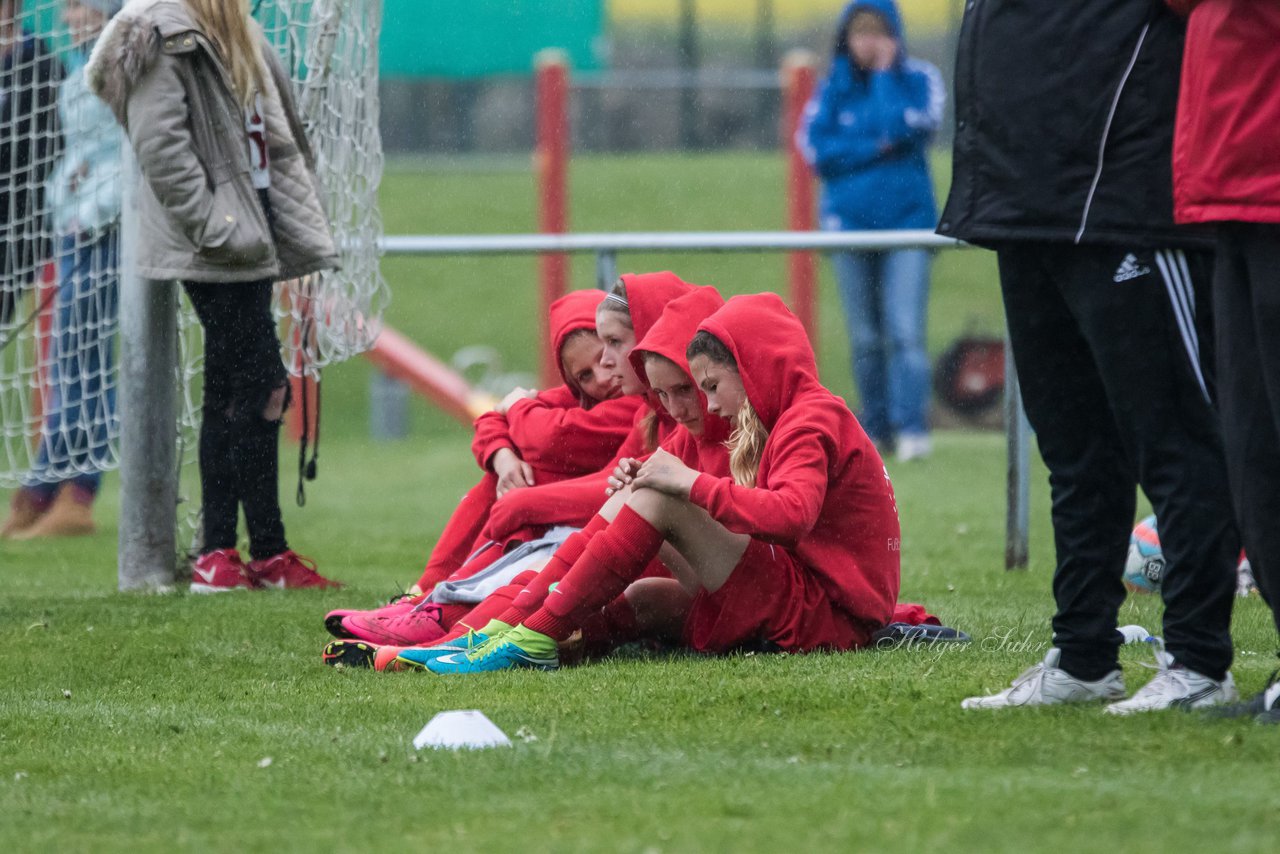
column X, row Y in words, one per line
column 417, row 627
column 333, row 621
column 219, row 571
column 288, row 571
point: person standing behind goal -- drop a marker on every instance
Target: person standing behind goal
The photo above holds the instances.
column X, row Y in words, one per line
column 83, row 197
column 1064, row 126
column 228, row 204
column 29, row 141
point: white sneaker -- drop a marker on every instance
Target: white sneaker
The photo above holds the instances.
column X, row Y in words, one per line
column 1175, row 687
column 914, row 446
column 1046, row 684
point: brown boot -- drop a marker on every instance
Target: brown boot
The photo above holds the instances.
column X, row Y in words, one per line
column 70, row 515
column 25, row 507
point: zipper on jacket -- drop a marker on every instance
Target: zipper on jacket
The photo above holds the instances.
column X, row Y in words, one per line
column 1106, row 130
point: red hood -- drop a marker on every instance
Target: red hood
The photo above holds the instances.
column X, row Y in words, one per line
column 670, row 336
column 675, row 328
column 648, row 294
column 573, row 311
column 775, row 358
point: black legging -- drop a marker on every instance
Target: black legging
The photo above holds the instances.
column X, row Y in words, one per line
column 239, row 448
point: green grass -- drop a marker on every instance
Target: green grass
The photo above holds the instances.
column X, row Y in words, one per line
column 175, row 701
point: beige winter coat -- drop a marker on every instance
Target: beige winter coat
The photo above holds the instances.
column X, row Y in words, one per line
column 200, row 219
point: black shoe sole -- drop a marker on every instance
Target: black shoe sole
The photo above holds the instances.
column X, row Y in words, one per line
column 333, row 625
column 349, row 653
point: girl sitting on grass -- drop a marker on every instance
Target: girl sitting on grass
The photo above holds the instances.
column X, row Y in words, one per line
column 799, row 548
column 655, row 605
column 633, row 307
column 530, row 439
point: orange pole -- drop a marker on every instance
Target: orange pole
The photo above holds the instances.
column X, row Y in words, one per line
column 802, row 269
column 46, row 304
column 401, row 359
column 293, row 417
column 551, row 163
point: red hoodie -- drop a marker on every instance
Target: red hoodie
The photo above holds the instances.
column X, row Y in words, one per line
column 1226, row 147
column 822, row 491
column 574, row 502
column 669, row 338
column 553, row 431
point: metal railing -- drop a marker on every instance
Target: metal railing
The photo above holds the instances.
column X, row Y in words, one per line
column 148, row 507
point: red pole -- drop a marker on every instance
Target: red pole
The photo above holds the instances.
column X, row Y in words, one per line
column 551, row 163
column 299, row 308
column 802, row 271
column 46, row 304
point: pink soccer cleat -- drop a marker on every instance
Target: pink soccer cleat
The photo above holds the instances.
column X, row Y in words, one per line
column 418, row 626
column 334, row 620
column 288, row 571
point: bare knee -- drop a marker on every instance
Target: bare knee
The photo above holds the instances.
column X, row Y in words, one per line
column 656, row 508
column 274, row 408
column 660, row 605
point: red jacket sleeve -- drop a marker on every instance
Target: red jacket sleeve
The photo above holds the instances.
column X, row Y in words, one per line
column 681, row 443
column 569, row 502
column 554, row 433
column 492, row 434
column 784, row 513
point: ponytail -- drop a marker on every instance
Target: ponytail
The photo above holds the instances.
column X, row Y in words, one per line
column 746, row 446
column 746, row 443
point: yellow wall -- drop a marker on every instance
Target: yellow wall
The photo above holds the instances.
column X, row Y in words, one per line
column 924, row 14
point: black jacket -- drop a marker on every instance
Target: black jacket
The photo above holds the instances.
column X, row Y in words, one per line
column 29, row 145
column 1064, row 123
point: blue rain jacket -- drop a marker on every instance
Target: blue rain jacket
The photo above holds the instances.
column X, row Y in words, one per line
column 866, row 135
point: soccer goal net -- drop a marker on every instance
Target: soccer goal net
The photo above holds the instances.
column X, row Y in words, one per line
column 60, row 207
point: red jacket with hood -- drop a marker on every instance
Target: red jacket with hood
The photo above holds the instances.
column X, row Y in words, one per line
column 669, row 338
column 822, row 491
column 574, row 502
column 1226, row 147
column 553, row 431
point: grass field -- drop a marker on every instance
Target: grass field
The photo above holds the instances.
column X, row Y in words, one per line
column 147, row 722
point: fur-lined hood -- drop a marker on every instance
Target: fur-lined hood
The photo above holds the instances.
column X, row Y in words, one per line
column 130, row 43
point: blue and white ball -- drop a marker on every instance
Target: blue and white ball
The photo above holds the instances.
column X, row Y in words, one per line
column 1144, row 566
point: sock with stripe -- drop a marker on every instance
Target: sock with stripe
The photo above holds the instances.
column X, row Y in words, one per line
column 495, row 604
column 611, row 561
column 531, row 598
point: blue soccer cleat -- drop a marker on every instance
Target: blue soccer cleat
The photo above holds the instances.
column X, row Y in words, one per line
column 417, row 658
column 517, row 649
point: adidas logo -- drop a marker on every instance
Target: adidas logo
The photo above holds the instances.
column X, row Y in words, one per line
column 1130, row 269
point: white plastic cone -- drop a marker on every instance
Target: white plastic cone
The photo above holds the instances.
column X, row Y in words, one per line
column 455, row 730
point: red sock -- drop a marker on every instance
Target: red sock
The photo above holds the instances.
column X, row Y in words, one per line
column 611, row 561
column 494, row 604
column 451, row 613
column 565, row 557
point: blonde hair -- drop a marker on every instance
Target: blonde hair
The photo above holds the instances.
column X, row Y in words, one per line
column 746, row 446
column 226, row 23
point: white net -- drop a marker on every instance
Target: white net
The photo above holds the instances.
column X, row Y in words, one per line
column 60, row 178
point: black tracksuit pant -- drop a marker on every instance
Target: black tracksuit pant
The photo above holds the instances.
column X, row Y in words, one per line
column 1107, row 345
column 239, row 448
column 1246, row 305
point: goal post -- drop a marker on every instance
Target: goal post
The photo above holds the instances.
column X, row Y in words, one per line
column 97, row 366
